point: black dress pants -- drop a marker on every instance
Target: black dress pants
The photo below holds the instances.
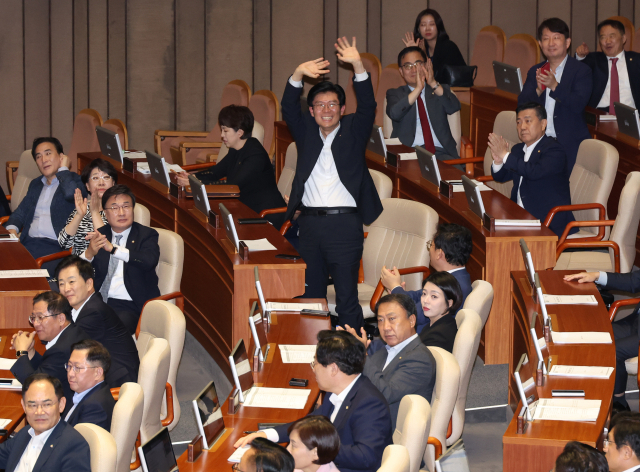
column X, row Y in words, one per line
column 625, row 333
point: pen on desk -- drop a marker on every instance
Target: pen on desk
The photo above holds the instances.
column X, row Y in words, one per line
column 251, row 432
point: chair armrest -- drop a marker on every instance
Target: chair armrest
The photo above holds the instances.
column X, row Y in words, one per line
column 593, row 244
column 177, row 133
column 285, row 227
column 466, row 148
column 11, row 167
column 191, row 167
column 468, row 162
column 136, row 464
column 450, row 428
column 584, row 224
column 484, row 178
column 619, row 304
column 437, row 444
column 377, row 294
column 583, row 206
column 53, row 257
column 3, row 220
column 169, row 396
column 115, row 392
column 8, row 197
column 272, row 211
column 179, row 298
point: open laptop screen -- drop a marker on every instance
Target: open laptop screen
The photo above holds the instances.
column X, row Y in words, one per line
column 208, row 415
column 109, row 143
column 156, row 455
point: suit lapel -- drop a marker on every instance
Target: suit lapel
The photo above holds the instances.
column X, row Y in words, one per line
column 22, row 440
column 346, row 404
column 407, row 349
column 49, row 446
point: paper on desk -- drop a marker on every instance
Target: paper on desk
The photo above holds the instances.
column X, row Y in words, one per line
column 294, row 307
column 135, row 154
column 259, row 244
column 408, row 156
column 23, row 274
column 586, row 337
column 607, row 118
column 6, row 364
column 243, row 367
column 297, row 354
column 392, row 142
column 237, row 455
column 143, row 167
column 458, row 187
column 569, row 299
column 567, row 409
column 592, row 372
column 265, row 397
column 15, row 385
column 11, row 238
column 4, row 423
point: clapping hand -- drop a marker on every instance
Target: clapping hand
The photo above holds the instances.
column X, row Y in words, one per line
column 499, row 148
column 81, row 203
column 429, row 76
column 363, row 338
column 390, row 278
column 409, row 40
column 546, row 78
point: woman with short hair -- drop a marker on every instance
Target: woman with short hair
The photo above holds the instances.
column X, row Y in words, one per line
column 314, row 443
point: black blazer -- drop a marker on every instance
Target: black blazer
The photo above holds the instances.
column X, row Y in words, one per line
column 52, row 361
column 442, row 333
column 102, row 324
column 348, row 149
column 598, row 62
column 140, row 277
column 95, row 408
column 446, row 52
column 250, row 169
column 363, row 423
column 545, row 182
column 65, row 449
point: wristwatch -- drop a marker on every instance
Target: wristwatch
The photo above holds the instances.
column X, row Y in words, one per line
column 113, row 251
column 21, row 353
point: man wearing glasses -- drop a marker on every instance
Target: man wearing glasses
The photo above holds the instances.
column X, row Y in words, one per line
column 49, row 444
column 51, row 319
column 92, row 400
column 124, row 255
column 419, row 109
column 622, row 446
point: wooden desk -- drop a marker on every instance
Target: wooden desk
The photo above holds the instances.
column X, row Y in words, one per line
column 216, row 283
column 542, row 441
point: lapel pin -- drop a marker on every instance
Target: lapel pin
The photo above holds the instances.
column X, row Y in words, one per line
column 400, row 357
column 134, row 241
column 52, row 445
column 347, row 407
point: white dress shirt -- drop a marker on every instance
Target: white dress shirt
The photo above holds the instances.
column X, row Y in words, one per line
column 53, row 342
column 77, row 398
column 33, row 450
column 419, row 139
column 392, row 352
column 75, row 313
column 527, row 154
column 626, row 97
column 550, row 103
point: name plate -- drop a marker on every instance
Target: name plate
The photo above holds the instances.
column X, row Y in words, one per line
column 489, row 223
column 446, row 189
column 129, row 165
column 393, row 160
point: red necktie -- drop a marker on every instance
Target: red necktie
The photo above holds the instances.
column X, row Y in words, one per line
column 426, row 129
column 615, row 86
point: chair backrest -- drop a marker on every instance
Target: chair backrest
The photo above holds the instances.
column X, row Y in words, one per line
column 266, row 109
column 117, row 126
column 27, row 171
column 236, row 92
column 152, row 377
column 169, row 268
column 258, row 133
column 389, row 79
column 592, row 178
column 636, row 41
column 84, row 137
column 465, row 350
column 126, row 421
column 522, row 51
column 399, row 238
column 412, row 428
column 387, row 124
column 629, row 31
column 102, row 447
column 625, row 229
column 374, row 68
column 161, row 319
column 289, row 170
column 141, row 215
column 456, row 129
column 383, row 184
column 443, row 400
column 489, row 46
column 480, row 299
column 395, row 458
column 505, row 126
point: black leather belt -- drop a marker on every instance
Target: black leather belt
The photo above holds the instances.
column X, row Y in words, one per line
column 328, row 211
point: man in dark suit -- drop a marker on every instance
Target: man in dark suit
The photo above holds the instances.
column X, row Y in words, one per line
column 354, row 405
column 448, row 251
column 98, row 320
column 562, row 85
column 92, row 400
column 51, row 319
column 436, row 102
column 49, row 201
column 332, row 192
column 537, row 166
column 625, row 87
column 124, row 255
column 49, row 445
column 622, row 446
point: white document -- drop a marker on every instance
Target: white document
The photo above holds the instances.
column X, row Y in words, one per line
column 288, row 398
column 542, row 343
column 458, row 187
column 396, row 141
column 570, row 299
column 581, row 371
column 586, row 337
column 237, row 455
column 567, row 409
column 23, row 274
column 408, row 156
column 531, row 223
column 4, row 423
column 15, row 385
column 135, row 155
column 297, row 354
column 293, row 307
column 6, row 364
column 10, row 238
column 243, row 367
column 259, row 244
column 143, row 167
column 607, row 118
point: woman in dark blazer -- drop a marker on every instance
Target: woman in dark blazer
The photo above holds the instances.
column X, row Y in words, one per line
column 247, row 164
column 441, row 297
column 430, row 35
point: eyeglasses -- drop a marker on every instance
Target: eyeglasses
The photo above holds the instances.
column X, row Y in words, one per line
column 116, row 208
column 39, row 319
column 607, row 442
column 429, row 244
column 408, row 66
column 45, row 406
column 104, row 178
column 77, row 368
column 333, row 106
column 313, row 364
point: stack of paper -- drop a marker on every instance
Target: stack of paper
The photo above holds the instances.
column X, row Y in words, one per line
column 607, row 118
column 237, row 455
column 297, row 354
column 581, row 371
column 566, row 409
column 458, row 187
column 23, row 274
column 259, row 244
column 265, row 397
column 392, row 142
column 143, row 167
column 581, row 338
column 14, row 385
column 294, row 307
column 569, row 299
column 4, row 423
column 408, row 156
column 9, row 237
column 531, row 223
column 6, row 364
column 135, row 155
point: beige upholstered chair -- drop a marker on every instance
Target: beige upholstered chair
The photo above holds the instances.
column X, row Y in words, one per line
column 395, row 458
column 480, row 299
column 141, row 215
column 383, row 184
column 266, row 110
column 374, row 68
column 522, row 51
column 505, row 126
column 169, row 268
column 27, row 171
column 84, row 137
column 387, row 124
column 117, row 126
column 412, row 428
column 442, row 401
column 636, row 40
column 125, row 423
column 152, row 377
column 389, row 79
column 161, row 319
column 397, row 238
column 456, row 129
column 489, row 46
column 465, row 350
column 289, row 170
column 102, row 446
column 622, row 241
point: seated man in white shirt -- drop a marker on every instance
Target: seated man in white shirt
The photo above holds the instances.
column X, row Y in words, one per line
column 622, row 446
column 352, row 403
column 616, row 72
column 49, row 444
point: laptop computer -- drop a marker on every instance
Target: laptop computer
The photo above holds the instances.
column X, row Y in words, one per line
column 454, row 460
column 156, row 455
column 241, row 369
column 474, row 199
column 109, row 143
column 508, row 77
column 158, row 169
column 628, row 122
column 376, row 142
column 200, row 197
column 229, row 225
column 428, row 165
column 209, row 415
column 258, row 326
column 528, row 262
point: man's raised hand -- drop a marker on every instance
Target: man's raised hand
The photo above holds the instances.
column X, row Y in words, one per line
column 349, row 53
column 582, row 50
column 313, row 69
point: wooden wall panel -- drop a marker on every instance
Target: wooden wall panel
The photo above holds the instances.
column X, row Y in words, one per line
column 262, row 45
column 61, row 63
column 554, row 8
column 330, row 34
column 479, row 17
column 515, row 17
column 455, row 15
column 395, row 23
column 80, row 56
column 625, row 8
column 98, row 88
column 584, row 25
column 352, row 21
column 374, row 19
column 117, row 58
column 607, row 8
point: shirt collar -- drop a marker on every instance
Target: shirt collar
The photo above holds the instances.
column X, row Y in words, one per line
column 77, row 397
column 54, row 181
column 619, row 56
column 526, row 148
column 75, row 313
column 455, row 270
column 42, row 437
column 400, row 346
column 51, row 343
column 330, row 136
column 125, row 233
column 339, row 398
column 560, row 68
